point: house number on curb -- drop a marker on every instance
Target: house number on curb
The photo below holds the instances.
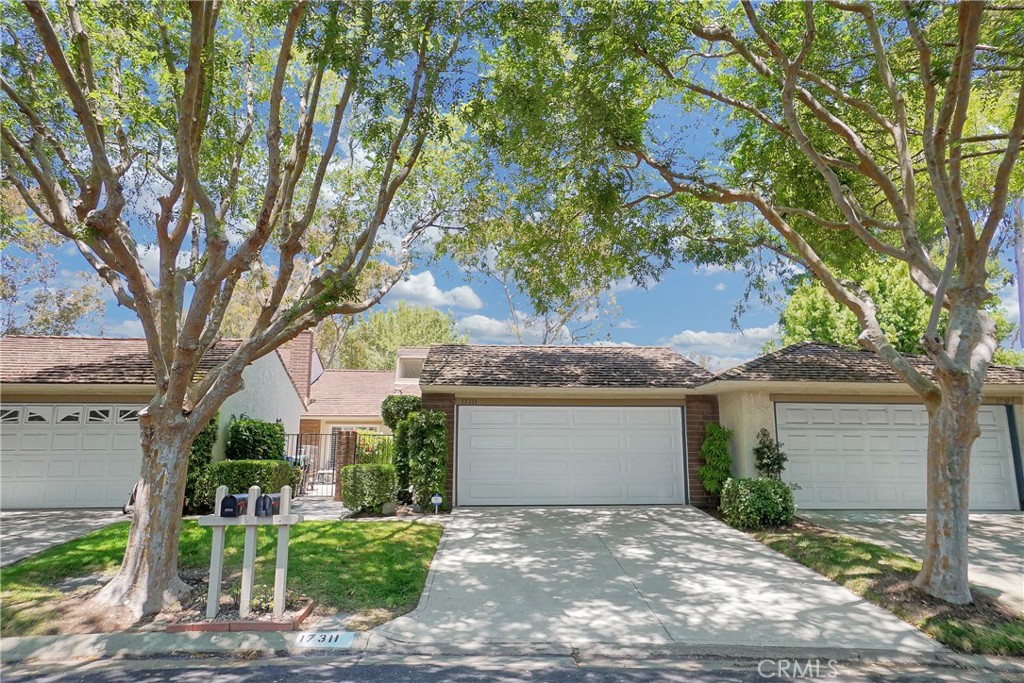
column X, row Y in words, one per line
column 325, row 639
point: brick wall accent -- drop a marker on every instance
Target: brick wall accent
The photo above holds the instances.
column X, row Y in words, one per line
column 298, row 360
column 309, row 426
column 345, row 454
column 700, row 411
column 446, row 404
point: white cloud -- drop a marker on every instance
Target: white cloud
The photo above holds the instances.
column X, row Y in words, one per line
column 421, row 289
column 1008, row 302
column 126, row 328
column 627, row 325
column 720, row 287
column 724, row 348
column 485, row 329
column 622, row 285
column 608, row 342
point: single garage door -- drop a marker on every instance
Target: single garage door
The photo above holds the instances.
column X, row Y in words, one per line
column 68, row 455
column 873, row 456
column 569, row 456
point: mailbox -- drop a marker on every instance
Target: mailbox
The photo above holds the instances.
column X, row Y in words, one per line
column 268, row 505
column 234, row 505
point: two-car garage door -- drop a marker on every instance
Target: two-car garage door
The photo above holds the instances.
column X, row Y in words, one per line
column 873, row 456
column 68, row 455
column 533, row 455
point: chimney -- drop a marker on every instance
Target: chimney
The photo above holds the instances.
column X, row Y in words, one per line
column 298, row 358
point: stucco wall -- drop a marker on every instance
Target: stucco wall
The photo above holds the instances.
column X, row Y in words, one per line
column 268, row 395
column 746, row 413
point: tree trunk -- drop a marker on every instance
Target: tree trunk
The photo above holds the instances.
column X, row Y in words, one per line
column 148, row 579
column 952, row 430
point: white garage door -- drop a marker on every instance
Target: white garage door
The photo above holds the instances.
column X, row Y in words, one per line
column 569, row 456
column 68, row 455
column 873, row 456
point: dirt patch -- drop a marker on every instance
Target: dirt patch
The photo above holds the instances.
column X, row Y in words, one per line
column 897, row 593
column 372, row 618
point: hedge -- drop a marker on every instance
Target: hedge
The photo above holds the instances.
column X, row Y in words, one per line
column 238, row 475
column 252, row 439
column 199, row 457
column 757, row 503
column 397, row 407
column 367, row 487
column 426, row 440
column 717, row 467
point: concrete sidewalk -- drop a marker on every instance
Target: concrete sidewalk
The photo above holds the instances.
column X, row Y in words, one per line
column 27, row 532
column 995, row 543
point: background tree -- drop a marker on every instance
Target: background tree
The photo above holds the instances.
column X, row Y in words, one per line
column 374, row 339
column 903, row 310
column 35, row 298
column 206, row 134
column 822, row 134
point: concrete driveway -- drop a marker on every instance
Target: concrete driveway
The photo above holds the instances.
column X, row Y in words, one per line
column 995, row 543
column 632, row 576
column 27, row 532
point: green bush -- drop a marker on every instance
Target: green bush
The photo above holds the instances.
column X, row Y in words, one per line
column 401, row 460
column 757, row 503
column 199, row 457
column 367, row 487
column 374, row 448
column 769, row 459
column 397, row 407
column 239, row 475
column 426, row 440
column 717, row 467
column 252, row 439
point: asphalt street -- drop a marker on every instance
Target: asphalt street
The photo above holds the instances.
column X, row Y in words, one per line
column 474, row 669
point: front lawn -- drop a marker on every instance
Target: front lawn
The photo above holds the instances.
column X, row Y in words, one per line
column 884, row 578
column 350, row 567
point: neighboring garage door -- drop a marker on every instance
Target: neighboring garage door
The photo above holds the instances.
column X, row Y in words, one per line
column 569, row 456
column 68, row 455
column 873, row 456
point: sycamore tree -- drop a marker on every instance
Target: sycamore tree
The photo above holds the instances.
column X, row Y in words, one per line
column 822, row 134
column 203, row 138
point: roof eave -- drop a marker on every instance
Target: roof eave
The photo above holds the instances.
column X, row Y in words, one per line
column 470, row 391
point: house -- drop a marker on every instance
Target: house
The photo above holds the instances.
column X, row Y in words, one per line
column 69, row 415
column 856, row 434
column 347, row 400
column 623, row 425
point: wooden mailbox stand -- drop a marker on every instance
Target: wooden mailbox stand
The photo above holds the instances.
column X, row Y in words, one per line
column 283, row 521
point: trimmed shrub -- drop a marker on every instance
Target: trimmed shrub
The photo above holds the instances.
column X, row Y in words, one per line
column 397, row 407
column 769, row 459
column 374, row 448
column 426, row 440
column 402, row 460
column 757, row 503
column 199, row 457
column 367, row 487
column 252, row 439
column 239, row 475
column 717, row 467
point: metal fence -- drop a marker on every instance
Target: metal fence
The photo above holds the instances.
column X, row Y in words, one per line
column 321, row 456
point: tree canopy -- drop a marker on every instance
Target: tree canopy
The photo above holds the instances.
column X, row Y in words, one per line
column 374, row 339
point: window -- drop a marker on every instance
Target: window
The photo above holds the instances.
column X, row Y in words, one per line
column 99, row 415
column 10, row 415
column 38, row 414
column 127, row 415
column 69, row 414
column 410, row 368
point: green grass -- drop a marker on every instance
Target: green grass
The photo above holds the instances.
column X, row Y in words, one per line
column 883, row 576
column 344, row 566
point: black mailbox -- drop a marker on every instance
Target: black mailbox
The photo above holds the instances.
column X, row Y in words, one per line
column 234, row 505
column 268, row 505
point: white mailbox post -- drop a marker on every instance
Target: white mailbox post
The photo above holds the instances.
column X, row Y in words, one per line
column 253, row 504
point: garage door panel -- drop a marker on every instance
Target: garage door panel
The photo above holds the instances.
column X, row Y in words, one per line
column 573, row 456
column 63, row 462
column 880, row 460
column 474, row 416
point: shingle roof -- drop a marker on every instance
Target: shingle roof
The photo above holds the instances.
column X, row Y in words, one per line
column 560, row 366
column 354, row 393
column 86, row 360
column 817, row 362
